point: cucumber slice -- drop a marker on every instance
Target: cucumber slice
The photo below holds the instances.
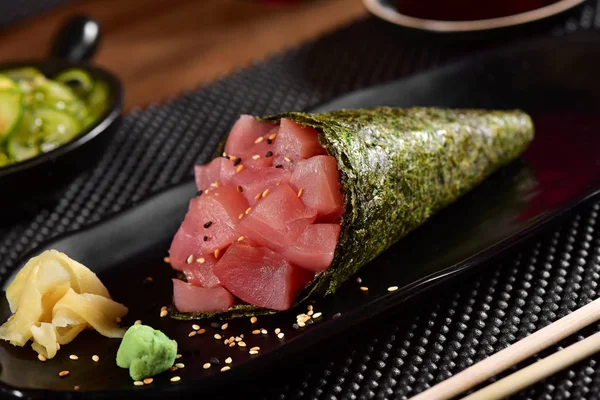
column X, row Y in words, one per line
column 77, row 79
column 22, row 144
column 96, row 103
column 6, row 83
column 57, row 127
column 11, row 110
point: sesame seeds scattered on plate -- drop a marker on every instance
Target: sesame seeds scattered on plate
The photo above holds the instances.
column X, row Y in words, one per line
column 196, row 327
column 280, row 335
column 175, row 379
column 95, row 358
column 180, row 365
column 206, row 365
column 138, row 322
column 228, row 360
column 256, row 332
column 277, row 330
column 392, row 288
column 62, row 374
column 364, row 289
column 138, row 383
column 253, row 320
column 148, row 381
column 73, row 357
column 242, row 344
column 218, row 337
column 317, row 315
column 167, row 260
column 225, row 368
column 224, row 326
column 192, row 334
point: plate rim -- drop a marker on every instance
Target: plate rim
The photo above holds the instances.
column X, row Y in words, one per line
column 389, row 14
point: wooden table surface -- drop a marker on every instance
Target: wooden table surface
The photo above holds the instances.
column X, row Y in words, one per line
column 161, row 47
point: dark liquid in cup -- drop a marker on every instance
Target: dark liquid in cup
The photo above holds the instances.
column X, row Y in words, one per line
column 467, row 10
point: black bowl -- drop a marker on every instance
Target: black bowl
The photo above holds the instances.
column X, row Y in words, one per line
column 37, row 176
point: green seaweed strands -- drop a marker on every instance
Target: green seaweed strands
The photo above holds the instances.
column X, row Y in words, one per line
column 398, row 167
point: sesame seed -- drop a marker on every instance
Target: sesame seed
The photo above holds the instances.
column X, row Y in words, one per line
column 238, row 339
column 224, row 154
column 138, row 322
column 175, row 379
column 138, row 383
column 226, row 342
column 224, row 326
column 300, row 192
column 272, row 136
column 201, row 331
column 232, row 344
column 63, row 373
column 240, row 189
column 205, row 238
column 260, row 139
column 148, row 381
column 279, row 166
column 253, row 320
column 199, row 193
column 148, row 279
column 42, row 357
column 218, row 337
column 118, row 320
column 277, row 330
column 358, row 279
column 241, row 216
column 192, row 334
column 256, row 157
column 278, row 183
column 73, row 357
column 286, row 158
column 225, row 368
column 242, row 344
column 301, row 324
column 364, row 288
column 228, row 360
column 236, row 161
column 178, row 356
column 240, row 168
column 255, row 348
column 232, row 158
column 258, row 196
column 240, row 238
column 206, row 366
column 269, row 141
column 195, row 327
column 309, row 307
column 253, row 352
column 217, row 253
column 201, row 260
column 206, row 191
column 317, row 315
column 263, row 331
column 190, row 259
column 310, row 312
column 76, row 388
column 266, row 192
column 167, row 260
column 164, row 313
column 248, row 210
column 269, row 154
column 280, row 335
column 180, row 365
column 392, row 288
column 95, row 358
column 218, row 183
column 163, row 308
column 208, row 224
column 256, row 332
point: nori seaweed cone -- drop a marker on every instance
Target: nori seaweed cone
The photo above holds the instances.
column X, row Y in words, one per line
column 398, row 167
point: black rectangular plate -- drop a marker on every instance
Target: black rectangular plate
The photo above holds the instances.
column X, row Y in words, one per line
column 554, row 79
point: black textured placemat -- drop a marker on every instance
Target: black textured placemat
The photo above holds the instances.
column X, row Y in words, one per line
column 394, row 357
column 13, row 11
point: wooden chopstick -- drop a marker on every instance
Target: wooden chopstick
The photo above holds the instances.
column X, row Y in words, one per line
column 513, row 354
column 539, row 370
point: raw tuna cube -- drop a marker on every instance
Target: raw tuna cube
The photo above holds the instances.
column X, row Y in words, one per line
column 260, row 276
column 255, row 181
column 315, row 247
column 244, row 133
column 319, row 179
column 213, row 216
column 295, row 142
column 276, row 221
column 200, row 272
column 261, row 149
column 220, row 169
column 190, row 298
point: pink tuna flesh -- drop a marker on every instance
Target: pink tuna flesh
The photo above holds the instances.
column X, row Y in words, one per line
column 190, row 298
column 200, row 272
column 210, row 224
column 260, row 276
column 255, row 181
column 244, row 133
column 220, row 169
column 314, row 249
column 319, row 179
column 276, row 221
column 296, row 143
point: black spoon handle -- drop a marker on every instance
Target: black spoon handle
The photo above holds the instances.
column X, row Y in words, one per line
column 77, row 39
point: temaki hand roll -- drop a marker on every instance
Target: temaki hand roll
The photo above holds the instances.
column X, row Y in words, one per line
column 297, row 202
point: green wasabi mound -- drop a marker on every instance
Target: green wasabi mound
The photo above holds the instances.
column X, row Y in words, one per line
column 146, row 352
